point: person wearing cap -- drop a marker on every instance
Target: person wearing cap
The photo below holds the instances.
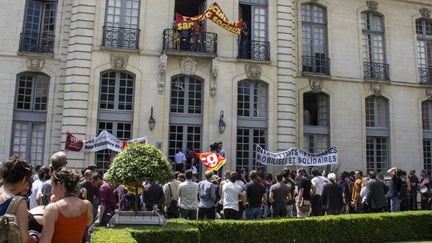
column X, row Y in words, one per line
column 331, row 196
column 394, row 189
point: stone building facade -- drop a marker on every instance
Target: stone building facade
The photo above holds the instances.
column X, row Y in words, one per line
column 311, row 74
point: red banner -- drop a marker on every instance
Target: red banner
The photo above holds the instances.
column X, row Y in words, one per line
column 213, row 161
column 73, row 143
column 215, row 14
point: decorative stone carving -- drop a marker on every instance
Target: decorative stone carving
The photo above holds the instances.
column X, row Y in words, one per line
column 163, row 60
column 425, row 12
column 316, row 85
column 35, row 64
column 119, row 62
column 253, row 71
column 376, row 89
column 314, row 1
column 429, row 93
column 188, row 66
column 372, row 5
column 213, row 76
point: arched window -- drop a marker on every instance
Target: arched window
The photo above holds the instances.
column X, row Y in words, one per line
column 252, row 109
column 186, row 104
column 375, row 66
column 427, row 135
column 121, row 28
column 314, row 39
column 29, row 125
column 316, row 121
column 424, row 49
column 115, row 113
column 377, row 133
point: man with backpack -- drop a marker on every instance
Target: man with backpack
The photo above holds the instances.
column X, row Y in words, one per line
column 171, row 195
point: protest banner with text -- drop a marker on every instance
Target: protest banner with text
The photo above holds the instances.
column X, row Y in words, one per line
column 296, row 157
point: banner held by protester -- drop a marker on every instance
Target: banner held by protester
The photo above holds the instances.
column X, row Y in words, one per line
column 213, row 161
column 296, row 157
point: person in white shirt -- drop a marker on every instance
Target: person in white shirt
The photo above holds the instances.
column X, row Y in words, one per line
column 43, row 175
column 231, row 192
column 180, row 159
column 318, row 183
column 188, row 197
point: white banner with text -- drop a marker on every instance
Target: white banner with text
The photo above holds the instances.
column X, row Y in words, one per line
column 296, row 157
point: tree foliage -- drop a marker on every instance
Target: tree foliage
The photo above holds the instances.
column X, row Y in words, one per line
column 137, row 163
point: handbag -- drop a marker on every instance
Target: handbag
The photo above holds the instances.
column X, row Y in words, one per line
column 172, row 206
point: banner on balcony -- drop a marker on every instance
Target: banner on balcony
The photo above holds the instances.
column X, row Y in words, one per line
column 215, row 14
column 296, row 157
column 105, row 140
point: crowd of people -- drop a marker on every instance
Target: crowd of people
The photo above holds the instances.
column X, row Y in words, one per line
column 62, row 206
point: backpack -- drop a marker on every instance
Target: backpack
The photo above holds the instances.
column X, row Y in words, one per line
column 9, row 228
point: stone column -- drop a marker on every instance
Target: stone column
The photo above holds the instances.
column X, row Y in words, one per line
column 286, row 74
column 77, row 80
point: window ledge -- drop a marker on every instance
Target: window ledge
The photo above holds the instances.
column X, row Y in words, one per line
column 115, row 49
column 35, row 54
column 253, row 60
column 316, row 75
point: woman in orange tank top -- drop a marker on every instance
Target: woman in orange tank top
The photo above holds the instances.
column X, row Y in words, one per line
column 67, row 219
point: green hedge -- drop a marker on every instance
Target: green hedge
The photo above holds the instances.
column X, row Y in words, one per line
column 181, row 232
column 384, row 227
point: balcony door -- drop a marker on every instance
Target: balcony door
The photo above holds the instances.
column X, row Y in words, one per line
column 39, row 26
column 122, row 24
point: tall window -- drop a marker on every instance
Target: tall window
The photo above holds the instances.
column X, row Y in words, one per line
column 375, row 66
column 185, row 115
column 115, row 113
column 377, row 133
column 316, row 121
column 427, row 135
column 424, row 49
column 30, row 114
column 121, row 28
column 255, row 44
column 314, row 39
column 252, row 109
column 39, row 26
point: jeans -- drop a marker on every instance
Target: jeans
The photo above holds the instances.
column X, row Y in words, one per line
column 253, row 213
column 279, row 210
column 316, row 205
column 208, row 213
column 394, row 204
column 188, row 214
column 230, row 213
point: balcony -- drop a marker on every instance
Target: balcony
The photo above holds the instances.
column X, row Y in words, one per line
column 122, row 38
column 317, row 65
column 254, row 50
column 425, row 75
column 36, row 43
column 183, row 42
column 376, row 71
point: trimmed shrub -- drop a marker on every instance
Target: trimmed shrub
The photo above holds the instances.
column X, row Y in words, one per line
column 173, row 232
column 384, row 227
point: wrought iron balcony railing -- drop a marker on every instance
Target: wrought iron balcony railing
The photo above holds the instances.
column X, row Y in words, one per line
column 36, row 43
column 118, row 37
column 425, row 75
column 318, row 64
column 376, row 71
column 254, row 50
column 185, row 40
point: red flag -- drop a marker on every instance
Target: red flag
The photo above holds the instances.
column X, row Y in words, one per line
column 213, row 161
column 73, row 143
